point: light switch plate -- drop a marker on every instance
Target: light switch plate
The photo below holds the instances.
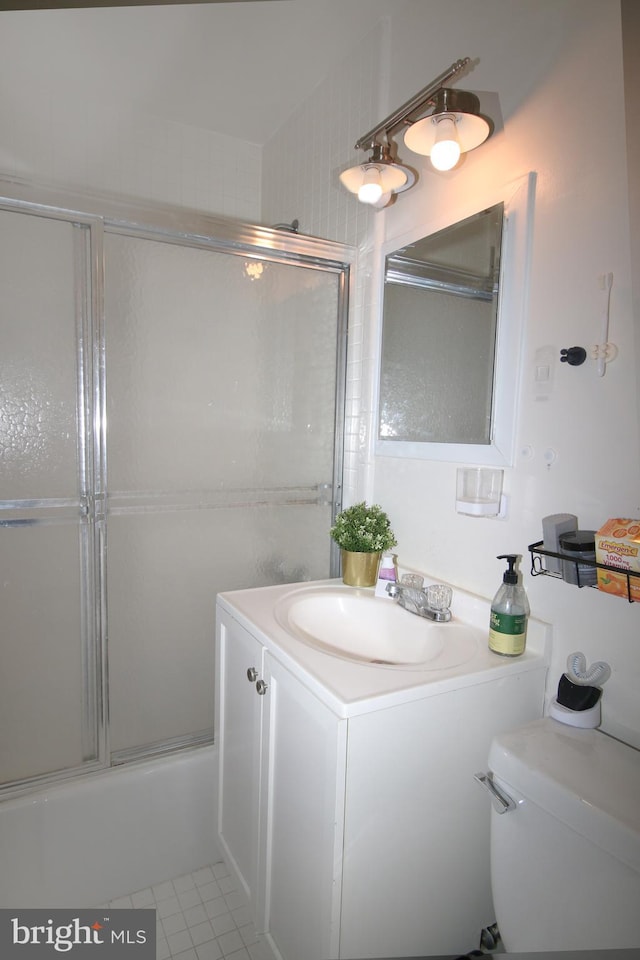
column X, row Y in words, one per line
column 543, row 372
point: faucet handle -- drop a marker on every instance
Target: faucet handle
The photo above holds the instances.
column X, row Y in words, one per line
column 439, row 596
column 412, row 580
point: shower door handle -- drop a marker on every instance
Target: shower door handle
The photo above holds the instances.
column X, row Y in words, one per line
column 502, row 802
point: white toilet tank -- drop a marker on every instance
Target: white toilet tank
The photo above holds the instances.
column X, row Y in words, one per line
column 565, row 862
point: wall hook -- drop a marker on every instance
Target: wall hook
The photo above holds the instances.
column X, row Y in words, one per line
column 574, row 356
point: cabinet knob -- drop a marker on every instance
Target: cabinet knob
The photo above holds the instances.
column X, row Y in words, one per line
column 261, row 687
column 252, row 674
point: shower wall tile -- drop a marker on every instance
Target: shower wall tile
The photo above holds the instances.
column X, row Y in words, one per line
column 300, row 167
column 302, row 160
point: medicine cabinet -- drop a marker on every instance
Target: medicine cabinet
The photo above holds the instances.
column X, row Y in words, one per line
column 453, row 303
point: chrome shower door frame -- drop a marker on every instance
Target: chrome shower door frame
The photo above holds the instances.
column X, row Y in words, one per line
column 92, row 217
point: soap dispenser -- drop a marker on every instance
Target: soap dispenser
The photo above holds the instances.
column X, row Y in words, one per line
column 509, row 613
column 388, row 573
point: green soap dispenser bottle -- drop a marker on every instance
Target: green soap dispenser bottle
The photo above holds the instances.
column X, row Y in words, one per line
column 509, row 613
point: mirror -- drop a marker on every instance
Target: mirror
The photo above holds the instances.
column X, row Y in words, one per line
column 440, row 318
column 450, row 341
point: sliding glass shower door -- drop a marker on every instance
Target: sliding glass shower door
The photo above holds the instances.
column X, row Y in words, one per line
column 51, row 676
column 184, row 437
column 221, row 404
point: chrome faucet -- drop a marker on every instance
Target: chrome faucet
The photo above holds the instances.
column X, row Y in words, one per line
column 415, row 600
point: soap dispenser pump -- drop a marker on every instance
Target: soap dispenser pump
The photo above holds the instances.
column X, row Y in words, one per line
column 388, row 573
column 509, row 613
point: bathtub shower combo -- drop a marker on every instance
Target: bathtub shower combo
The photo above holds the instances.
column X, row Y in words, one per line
column 171, row 404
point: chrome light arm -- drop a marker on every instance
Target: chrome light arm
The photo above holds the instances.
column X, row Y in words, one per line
column 421, row 99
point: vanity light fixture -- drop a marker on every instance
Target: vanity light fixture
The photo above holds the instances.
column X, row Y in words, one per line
column 453, row 126
column 376, row 180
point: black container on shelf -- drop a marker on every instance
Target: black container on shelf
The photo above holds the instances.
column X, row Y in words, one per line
column 576, row 546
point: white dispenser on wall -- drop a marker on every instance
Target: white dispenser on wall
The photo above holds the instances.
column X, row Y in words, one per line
column 479, row 492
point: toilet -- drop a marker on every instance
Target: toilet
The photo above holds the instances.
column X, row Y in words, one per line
column 565, row 846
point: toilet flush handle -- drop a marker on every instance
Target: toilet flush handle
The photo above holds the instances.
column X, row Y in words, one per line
column 502, row 802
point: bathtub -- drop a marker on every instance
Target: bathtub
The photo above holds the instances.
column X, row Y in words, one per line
column 95, row 838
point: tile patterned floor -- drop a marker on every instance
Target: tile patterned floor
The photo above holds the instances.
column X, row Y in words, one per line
column 200, row 916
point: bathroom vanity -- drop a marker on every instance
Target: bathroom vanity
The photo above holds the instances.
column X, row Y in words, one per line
column 347, row 807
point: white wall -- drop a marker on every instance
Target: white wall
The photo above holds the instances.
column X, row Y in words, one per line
column 556, row 67
column 56, row 130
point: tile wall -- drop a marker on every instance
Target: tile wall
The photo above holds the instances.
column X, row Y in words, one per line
column 300, row 170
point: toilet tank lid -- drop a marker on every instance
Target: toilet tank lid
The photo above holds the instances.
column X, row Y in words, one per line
column 584, row 778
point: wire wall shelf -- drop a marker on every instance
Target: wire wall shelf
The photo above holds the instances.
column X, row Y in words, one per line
column 538, row 552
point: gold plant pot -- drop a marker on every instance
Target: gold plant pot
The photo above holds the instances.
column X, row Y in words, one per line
column 360, row 569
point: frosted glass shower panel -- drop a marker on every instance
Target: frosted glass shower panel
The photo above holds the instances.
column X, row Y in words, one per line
column 160, row 614
column 164, row 571
column 215, row 381
column 41, row 681
column 38, row 357
column 49, row 682
column 221, row 437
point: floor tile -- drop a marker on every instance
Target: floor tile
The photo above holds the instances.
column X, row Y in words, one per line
column 209, row 951
column 201, row 933
column 210, row 891
column 215, row 908
column 174, row 924
column 230, row 942
column 200, row 916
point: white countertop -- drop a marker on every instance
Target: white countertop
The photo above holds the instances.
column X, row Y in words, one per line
column 351, row 688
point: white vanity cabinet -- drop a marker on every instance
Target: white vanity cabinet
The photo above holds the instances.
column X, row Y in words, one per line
column 282, row 756
column 355, row 826
column 239, row 666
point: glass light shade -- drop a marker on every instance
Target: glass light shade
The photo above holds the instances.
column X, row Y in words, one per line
column 389, row 177
column 384, row 200
column 370, row 189
column 445, row 152
column 471, row 130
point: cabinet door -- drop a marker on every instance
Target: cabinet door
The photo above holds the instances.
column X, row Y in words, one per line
column 304, row 746
column 238, row 713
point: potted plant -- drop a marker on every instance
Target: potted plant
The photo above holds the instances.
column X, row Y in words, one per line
column 362, row 532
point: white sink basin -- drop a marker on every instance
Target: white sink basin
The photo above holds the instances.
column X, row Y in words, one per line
column 353, row 624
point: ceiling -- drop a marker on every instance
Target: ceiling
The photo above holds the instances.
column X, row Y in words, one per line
column 239, row 68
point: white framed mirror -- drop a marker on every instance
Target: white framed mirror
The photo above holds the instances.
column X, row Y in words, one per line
column 453, row 298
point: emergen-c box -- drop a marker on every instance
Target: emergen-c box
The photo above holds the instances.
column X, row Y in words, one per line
column 618, row 545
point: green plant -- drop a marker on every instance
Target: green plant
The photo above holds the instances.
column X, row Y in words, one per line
column 363, row 529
